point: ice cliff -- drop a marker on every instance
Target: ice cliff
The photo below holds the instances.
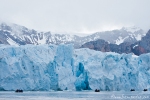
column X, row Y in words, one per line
column 51, row 67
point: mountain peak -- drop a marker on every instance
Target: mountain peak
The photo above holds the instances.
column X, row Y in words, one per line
column 16, row 34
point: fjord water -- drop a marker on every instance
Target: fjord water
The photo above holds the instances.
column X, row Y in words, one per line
column 74, row 95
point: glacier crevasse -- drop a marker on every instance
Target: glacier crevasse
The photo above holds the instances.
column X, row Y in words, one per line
column 51, row 67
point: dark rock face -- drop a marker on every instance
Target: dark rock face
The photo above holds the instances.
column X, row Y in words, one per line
column 137, row 48
column 102, row 45
column 142, row 46
column 122, row 48
column 99, row 45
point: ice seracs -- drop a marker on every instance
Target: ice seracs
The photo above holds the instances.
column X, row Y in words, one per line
column 51, row 67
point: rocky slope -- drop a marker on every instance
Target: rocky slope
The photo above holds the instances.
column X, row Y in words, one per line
column 102, row 45
column 19, row 35
column 142, row 46
column 139, row 47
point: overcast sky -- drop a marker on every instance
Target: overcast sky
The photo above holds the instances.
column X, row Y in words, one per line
column 77, row 16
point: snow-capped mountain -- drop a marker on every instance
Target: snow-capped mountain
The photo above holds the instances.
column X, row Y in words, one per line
column 126, row 34
column 142, row 46
column 138, row 48
column 14, row 34
column 19, row 35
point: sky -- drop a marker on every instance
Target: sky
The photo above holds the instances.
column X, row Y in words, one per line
column 76, row 16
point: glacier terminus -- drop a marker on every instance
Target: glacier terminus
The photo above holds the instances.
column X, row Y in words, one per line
column 61, row 67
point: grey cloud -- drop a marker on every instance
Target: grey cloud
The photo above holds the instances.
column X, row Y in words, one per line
column 76, row 15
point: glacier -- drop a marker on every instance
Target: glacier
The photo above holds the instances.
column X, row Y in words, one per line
column 61, row 67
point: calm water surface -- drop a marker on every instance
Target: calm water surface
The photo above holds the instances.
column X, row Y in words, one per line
column 70, row 95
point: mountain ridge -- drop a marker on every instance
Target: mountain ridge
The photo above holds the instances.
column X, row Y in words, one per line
column 138, row 48
column 14, row 34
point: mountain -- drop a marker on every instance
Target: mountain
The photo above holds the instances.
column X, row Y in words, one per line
column 14, row 34
column 102, row 45
column 138, row 48
column 142, row 46
column 129, row 34
column 51, row 67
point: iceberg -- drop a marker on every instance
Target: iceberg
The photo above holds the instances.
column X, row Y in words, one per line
column 61, row 67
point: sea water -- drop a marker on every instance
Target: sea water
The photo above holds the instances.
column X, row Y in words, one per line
column 73, row 95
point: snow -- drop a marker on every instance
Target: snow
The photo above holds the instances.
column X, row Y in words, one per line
column 51, row 67
column 135, row 46
column 42, row 41
column 119, row 40
column 11, row 42
column 138, row 37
